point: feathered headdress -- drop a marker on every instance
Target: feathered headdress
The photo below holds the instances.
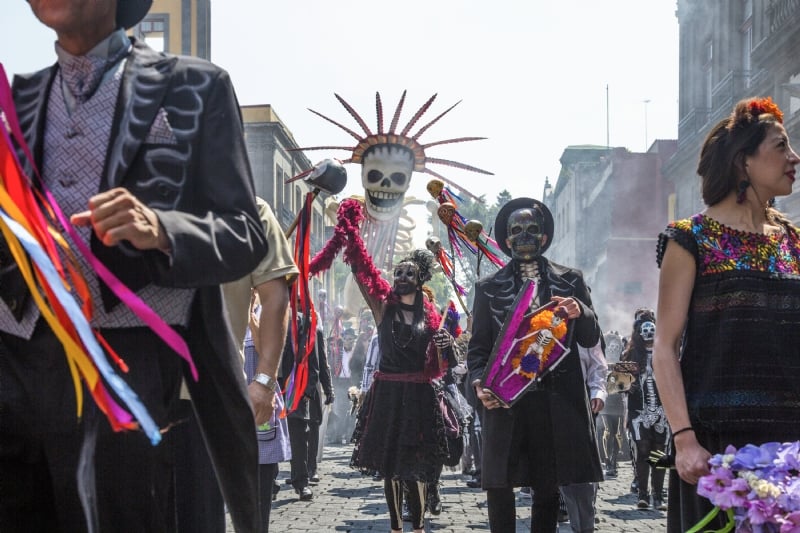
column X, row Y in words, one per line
column 399, row 137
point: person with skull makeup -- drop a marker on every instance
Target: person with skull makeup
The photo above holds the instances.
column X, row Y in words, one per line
column 647, row 422
column 400, row 432
column 547, row 438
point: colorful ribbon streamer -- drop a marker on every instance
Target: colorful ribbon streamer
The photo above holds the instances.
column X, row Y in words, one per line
column 303, row 341
column 28, row 214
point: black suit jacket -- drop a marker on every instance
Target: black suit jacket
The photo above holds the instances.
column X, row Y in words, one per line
column 200, row 186
column 564, row 390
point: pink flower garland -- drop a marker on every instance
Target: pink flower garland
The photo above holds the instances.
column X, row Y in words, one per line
column 347, row 235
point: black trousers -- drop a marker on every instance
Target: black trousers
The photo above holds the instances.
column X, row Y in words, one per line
column 199, row 507
column 266, row 478
column 503, row 511
column 299, row 434
column 60, row 473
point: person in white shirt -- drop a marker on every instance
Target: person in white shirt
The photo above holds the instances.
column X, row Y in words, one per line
column 580, row 497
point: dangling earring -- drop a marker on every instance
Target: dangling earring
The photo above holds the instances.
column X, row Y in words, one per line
column 741, row 189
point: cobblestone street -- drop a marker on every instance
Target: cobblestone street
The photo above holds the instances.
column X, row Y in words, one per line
column 346, row 501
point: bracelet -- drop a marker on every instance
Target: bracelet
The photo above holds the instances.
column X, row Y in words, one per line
column 687, row 428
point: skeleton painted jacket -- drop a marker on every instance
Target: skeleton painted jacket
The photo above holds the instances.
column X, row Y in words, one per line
column 197, row 179
column 566, row 400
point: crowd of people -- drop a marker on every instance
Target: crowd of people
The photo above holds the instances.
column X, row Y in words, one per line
column 146, row 152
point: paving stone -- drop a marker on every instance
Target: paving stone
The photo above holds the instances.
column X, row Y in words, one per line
column 345, row 501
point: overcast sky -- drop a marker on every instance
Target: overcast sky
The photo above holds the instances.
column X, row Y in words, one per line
column 532, row 75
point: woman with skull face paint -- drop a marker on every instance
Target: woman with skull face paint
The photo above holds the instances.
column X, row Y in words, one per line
column 646, row 420
column 400, row 431
column 728, row 340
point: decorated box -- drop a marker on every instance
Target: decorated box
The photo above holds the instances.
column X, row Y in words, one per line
column 531, row 343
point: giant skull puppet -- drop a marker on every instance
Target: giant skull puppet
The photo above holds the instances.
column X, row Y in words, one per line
column 388, row 157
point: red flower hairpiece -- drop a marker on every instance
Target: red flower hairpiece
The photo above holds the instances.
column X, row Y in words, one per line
column 761, row 106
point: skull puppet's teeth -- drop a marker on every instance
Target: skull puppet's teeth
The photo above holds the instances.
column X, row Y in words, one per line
column 384, row 200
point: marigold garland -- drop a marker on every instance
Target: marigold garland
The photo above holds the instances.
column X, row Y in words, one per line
column 529, row 364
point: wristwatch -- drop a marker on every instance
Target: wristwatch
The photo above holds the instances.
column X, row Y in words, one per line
column 268, row 381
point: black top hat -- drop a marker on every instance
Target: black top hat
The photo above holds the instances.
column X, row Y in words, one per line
column 501, row 222
column 130, row 12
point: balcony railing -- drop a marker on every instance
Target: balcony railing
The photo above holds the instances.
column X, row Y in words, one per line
column 731, row 88
column 779, row 12
column 692, row 123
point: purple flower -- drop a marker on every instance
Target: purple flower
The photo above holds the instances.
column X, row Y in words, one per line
column 751, row 457
column 762, row 512
column 789, row 500
column 791, row 523
column 789, row 456
column 722, row 489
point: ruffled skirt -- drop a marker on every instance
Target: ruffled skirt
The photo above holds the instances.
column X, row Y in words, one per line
column 400, row 432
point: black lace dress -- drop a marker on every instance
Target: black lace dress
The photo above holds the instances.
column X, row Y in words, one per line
column 400, row 430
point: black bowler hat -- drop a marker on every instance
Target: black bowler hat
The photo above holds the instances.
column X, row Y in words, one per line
column 130, row 12
column 501, row 222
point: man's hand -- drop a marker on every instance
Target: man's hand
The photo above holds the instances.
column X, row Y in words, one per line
column 263, row 402
column 570, row 306
column 488, row 399
column 117, row 215
column 597, row 405
column 329, row 399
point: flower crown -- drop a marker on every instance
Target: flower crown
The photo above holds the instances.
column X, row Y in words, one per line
column 762, row 106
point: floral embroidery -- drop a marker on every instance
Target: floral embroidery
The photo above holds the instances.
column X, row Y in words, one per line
column 723, row 249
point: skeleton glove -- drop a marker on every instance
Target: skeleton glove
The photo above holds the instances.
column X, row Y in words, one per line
column 442, row 339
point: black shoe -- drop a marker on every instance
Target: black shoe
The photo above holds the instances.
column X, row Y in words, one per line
column 406, row 512
column 305, row 494
column 659, row 504
column 474, row 483
column 563, row 516
column 611, row 473
column 275, row 489
column 314, row 479
column 287, row 481
column 634, row 487
column 643, row 504
column 377, row 477
column 434, row 503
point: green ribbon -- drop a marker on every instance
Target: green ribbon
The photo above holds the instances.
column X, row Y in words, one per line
column 709, row 517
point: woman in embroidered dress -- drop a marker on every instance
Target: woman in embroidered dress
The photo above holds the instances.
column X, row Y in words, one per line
column 400, row 431
column 727, row 349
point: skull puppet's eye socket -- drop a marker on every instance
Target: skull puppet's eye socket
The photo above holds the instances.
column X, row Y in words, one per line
column 516, row 230
column 399, row 178
column 533, row 229
column 374, row 176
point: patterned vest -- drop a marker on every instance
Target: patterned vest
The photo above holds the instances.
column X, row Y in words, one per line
column 75, row 146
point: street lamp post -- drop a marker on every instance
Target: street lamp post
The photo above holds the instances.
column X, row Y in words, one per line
column 647, row 101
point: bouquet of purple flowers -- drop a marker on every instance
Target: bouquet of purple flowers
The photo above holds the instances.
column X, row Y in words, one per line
column 758, row 487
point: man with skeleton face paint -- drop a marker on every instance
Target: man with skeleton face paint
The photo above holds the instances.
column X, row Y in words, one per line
column 547, row 439
column 647, row 422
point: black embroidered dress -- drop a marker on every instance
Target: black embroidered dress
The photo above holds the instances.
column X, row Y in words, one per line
column 740, row 358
